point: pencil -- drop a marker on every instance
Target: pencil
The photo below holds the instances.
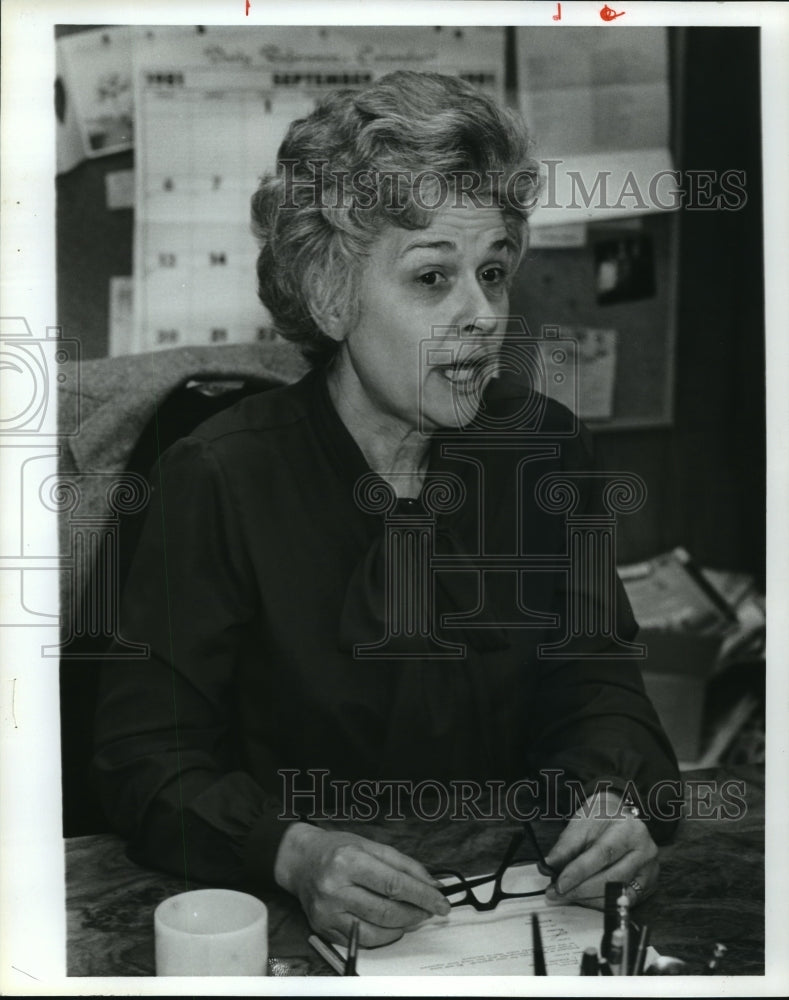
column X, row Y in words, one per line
column 539, row 954
column 353, row 949
column 641, row 951
column 327, row 952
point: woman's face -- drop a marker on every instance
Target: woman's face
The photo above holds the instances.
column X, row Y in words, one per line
column 447, row 283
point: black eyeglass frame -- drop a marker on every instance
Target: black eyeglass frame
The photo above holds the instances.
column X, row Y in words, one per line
column 466, row 886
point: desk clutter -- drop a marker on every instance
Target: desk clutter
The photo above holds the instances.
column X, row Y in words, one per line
column 704, row 671
column 711, row 890
column 624, row 950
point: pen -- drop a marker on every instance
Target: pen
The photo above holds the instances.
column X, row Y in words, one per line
column 353, row 949
column 623, row 908
column 539, row 954
column 613, row 890
column 641, row 951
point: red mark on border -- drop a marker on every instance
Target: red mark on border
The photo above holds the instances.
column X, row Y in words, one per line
column 608, row 13
column 558, row 15
column 248, row 6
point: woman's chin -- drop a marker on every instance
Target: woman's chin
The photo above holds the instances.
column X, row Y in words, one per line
column 449, row 405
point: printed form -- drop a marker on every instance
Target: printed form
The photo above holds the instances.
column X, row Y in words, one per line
column 494, row 943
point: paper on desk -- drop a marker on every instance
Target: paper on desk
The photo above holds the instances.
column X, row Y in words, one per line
column 497, row 943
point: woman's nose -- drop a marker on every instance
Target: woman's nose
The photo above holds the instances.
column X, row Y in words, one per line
column 477, row 315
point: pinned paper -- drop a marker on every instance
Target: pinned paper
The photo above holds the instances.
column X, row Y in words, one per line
column 121, row 325
column 557, row 237
column 119, row 188
column 597, row 104
column 580, row 370
column 94, row 95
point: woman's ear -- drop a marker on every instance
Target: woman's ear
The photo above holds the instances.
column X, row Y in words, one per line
column 324, row 311
column 331, row 324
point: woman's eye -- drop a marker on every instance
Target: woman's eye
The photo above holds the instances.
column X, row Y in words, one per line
column 494, row 275
column 430, row 278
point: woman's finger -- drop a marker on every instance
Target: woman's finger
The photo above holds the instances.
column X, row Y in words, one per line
column 599, row 855
column 379, row 910
column 646, row 877
column 371, row 873
column 572, row 841
column 591, row 892
column 598, row 866
column 644, row 883
column 402, row 862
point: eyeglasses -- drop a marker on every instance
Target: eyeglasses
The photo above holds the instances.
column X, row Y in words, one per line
column 460, row 891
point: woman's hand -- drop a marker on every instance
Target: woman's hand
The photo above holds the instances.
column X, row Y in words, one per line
column 340, row 876
column 604, row 846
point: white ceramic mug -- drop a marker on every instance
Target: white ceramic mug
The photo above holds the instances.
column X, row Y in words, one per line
column 211, row 932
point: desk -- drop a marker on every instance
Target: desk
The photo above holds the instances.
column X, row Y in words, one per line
column 711, row 888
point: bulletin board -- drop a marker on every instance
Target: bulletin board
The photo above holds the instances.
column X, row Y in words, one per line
column 558, row 286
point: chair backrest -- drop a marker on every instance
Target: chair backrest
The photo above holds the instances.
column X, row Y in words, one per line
column 183, row 409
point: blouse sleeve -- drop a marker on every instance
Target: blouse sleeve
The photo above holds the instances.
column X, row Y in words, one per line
column 165, row 763
column 596, row 725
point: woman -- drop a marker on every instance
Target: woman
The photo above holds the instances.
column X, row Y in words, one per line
column 279, row 659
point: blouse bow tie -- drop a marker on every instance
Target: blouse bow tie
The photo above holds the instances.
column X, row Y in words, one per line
column 395, row 602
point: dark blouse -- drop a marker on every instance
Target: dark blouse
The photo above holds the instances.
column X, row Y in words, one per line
column 259, row 570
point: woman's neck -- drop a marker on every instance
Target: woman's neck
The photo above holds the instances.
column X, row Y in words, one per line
column 396, row 451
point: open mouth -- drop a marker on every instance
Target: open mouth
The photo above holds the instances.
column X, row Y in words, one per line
column 469, row 370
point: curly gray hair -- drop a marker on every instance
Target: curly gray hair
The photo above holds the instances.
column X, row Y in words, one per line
column 389, row 154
